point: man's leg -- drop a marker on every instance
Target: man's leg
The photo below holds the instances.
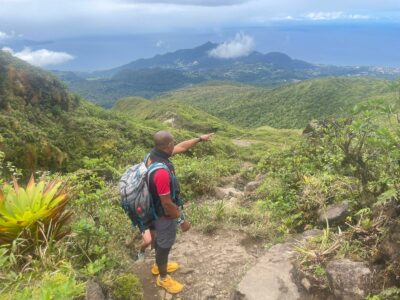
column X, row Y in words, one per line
column 146, row 241
column 165, row 238
column 162, row 260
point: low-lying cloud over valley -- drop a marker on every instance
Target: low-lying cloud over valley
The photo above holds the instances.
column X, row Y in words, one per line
column 41, row 57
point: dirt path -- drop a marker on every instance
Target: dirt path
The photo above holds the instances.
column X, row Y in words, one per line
column 211, row 265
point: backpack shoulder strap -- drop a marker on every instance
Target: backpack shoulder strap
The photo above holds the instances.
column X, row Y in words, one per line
column 154, row 167
column 146, row 158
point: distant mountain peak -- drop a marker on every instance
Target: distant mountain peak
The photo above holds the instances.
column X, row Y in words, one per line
column 207, row 46
column 198, row 59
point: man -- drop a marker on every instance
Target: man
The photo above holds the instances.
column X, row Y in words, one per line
column 164, row 189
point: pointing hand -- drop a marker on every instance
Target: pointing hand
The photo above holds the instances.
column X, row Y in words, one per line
column 207, row 137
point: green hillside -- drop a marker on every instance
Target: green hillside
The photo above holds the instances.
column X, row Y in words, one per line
column 174, row 114
column 289, row 106
column 44, row 127
column 56, row 236
column 248, row 143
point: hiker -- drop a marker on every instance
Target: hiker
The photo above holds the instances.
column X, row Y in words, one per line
column 164, row 189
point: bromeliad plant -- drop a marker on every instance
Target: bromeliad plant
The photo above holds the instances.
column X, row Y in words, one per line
column 37, row 213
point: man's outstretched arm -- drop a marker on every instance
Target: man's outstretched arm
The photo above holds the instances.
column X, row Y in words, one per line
column 186, row 145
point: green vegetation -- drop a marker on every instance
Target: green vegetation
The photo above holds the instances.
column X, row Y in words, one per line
column 43, row 127
column 91, row 147
column 127, row 287
column 162, row 73
column 144, row 83
column 289, row 106
column 55, row 239
column 352, row 160
column 36, row 213
column 200, row 176
column 175, row 114
column 61, row 284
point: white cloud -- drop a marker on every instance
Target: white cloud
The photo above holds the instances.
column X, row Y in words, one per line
column 325, row 16
column 42, row 57
column 241, row 45
column 68, row 18
column 334, row 15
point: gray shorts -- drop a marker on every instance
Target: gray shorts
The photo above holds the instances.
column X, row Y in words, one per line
column 165, row 232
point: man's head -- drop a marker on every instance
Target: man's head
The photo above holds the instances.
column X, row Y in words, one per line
column 164, row 141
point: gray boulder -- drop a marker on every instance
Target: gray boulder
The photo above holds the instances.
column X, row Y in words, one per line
column 349, row 279
column 272, row 277
column 335, row 213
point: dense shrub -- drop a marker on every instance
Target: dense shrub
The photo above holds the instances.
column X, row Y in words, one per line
column 127, row 287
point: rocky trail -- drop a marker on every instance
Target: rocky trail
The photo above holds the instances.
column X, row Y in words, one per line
column 226, row 264
column 211, row 266
column 229, row 264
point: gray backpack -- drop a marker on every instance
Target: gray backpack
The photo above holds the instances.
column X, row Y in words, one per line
column 136, row 199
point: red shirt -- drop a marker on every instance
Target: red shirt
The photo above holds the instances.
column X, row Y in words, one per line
column 162, row 182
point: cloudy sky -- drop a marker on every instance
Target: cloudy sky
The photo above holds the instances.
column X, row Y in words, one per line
column 61, row 29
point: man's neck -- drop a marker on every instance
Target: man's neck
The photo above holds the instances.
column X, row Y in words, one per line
column 161, row 153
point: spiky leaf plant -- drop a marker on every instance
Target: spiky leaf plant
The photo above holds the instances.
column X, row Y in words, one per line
column 37, row 213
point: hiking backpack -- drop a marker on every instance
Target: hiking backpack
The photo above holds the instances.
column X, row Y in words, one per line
column 136, row 199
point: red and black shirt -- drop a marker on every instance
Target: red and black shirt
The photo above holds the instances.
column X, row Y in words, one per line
column 160, row 181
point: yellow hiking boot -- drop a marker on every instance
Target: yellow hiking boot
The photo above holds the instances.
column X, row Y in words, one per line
column 171, row 267
column 170, row 285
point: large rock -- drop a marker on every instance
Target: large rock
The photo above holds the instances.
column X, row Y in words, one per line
column 348, row 279
column 335, row 213
column 271, row 278
column 94, row 291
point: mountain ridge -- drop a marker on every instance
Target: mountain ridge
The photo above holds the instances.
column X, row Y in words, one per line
column 162, row 73
column 198, row 58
